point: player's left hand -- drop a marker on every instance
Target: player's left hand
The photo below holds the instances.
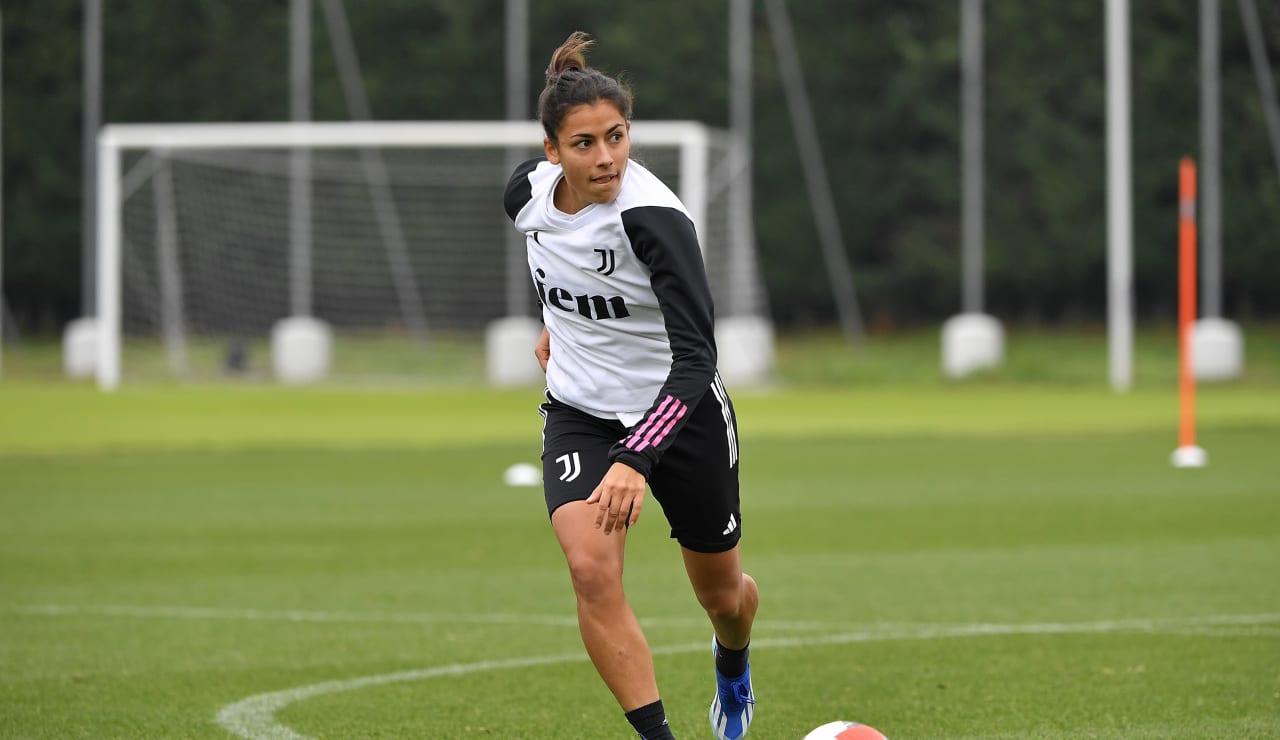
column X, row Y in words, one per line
column 619, row 496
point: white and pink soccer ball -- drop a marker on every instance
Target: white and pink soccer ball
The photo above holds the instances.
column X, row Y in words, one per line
column 841, row 730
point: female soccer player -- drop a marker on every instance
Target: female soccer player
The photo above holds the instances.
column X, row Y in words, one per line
column 633, row 396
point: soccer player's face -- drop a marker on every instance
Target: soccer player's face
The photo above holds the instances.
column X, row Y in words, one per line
column 592, row 145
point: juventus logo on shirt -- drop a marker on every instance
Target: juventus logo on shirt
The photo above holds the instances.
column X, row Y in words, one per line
column 607, row 261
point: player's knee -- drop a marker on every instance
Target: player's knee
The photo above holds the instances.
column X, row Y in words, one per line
column 594, row 579
column 722, row 603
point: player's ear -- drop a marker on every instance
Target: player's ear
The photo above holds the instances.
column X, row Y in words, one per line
column 552, row 151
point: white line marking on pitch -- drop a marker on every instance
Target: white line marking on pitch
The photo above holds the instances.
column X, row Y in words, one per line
column 270, row 615
column 295, row 615
column 254, row 718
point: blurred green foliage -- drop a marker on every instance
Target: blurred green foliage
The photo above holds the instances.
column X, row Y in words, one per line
column 883, row 79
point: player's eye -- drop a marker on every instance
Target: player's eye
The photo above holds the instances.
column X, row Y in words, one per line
column 582, row 143
column 616, row 137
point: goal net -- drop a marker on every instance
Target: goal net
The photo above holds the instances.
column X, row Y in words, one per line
column 391, row 235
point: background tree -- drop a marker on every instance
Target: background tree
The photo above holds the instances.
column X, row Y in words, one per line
column 883, row 78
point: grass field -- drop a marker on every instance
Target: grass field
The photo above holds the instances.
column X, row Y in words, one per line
column 1011, row 557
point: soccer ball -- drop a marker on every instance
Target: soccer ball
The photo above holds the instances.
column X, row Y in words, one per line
column 841, row 730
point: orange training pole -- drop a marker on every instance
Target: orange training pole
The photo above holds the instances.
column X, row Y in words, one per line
column 1187, row 454
column 1186, row 299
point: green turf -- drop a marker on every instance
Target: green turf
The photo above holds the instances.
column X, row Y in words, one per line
column 940, row 560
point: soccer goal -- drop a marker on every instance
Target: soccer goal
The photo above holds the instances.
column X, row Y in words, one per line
column 353, row 251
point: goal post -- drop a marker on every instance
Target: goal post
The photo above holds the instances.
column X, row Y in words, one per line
column 164, row 190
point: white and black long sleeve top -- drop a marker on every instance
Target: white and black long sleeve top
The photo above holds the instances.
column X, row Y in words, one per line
column 625, row 299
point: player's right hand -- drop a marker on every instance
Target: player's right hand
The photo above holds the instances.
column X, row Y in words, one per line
column 542, row 350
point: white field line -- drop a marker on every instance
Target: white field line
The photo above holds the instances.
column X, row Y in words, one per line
column 1212, row 631
column 254, row 717
column 886, row 629
column 374, row 617
column 286, row 615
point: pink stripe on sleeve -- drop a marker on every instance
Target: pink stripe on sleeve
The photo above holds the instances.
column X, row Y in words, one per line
column 655, row 436
column 638, row 434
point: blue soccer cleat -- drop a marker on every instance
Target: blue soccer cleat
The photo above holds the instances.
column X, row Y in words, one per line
column 733, row 706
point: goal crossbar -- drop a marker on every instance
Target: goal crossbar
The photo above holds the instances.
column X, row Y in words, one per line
column 690, row 138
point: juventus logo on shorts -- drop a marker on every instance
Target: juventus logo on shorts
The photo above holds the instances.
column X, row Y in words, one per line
column 572, row 466
column 607, row 261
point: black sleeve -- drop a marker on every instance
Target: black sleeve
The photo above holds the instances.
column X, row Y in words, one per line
column 664, row 239
column 519, row 190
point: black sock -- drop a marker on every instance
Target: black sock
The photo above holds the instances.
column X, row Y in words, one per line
column 650, row 722
column 731, row 663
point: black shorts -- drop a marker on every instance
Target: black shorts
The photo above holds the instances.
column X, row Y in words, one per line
column 695, row 482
